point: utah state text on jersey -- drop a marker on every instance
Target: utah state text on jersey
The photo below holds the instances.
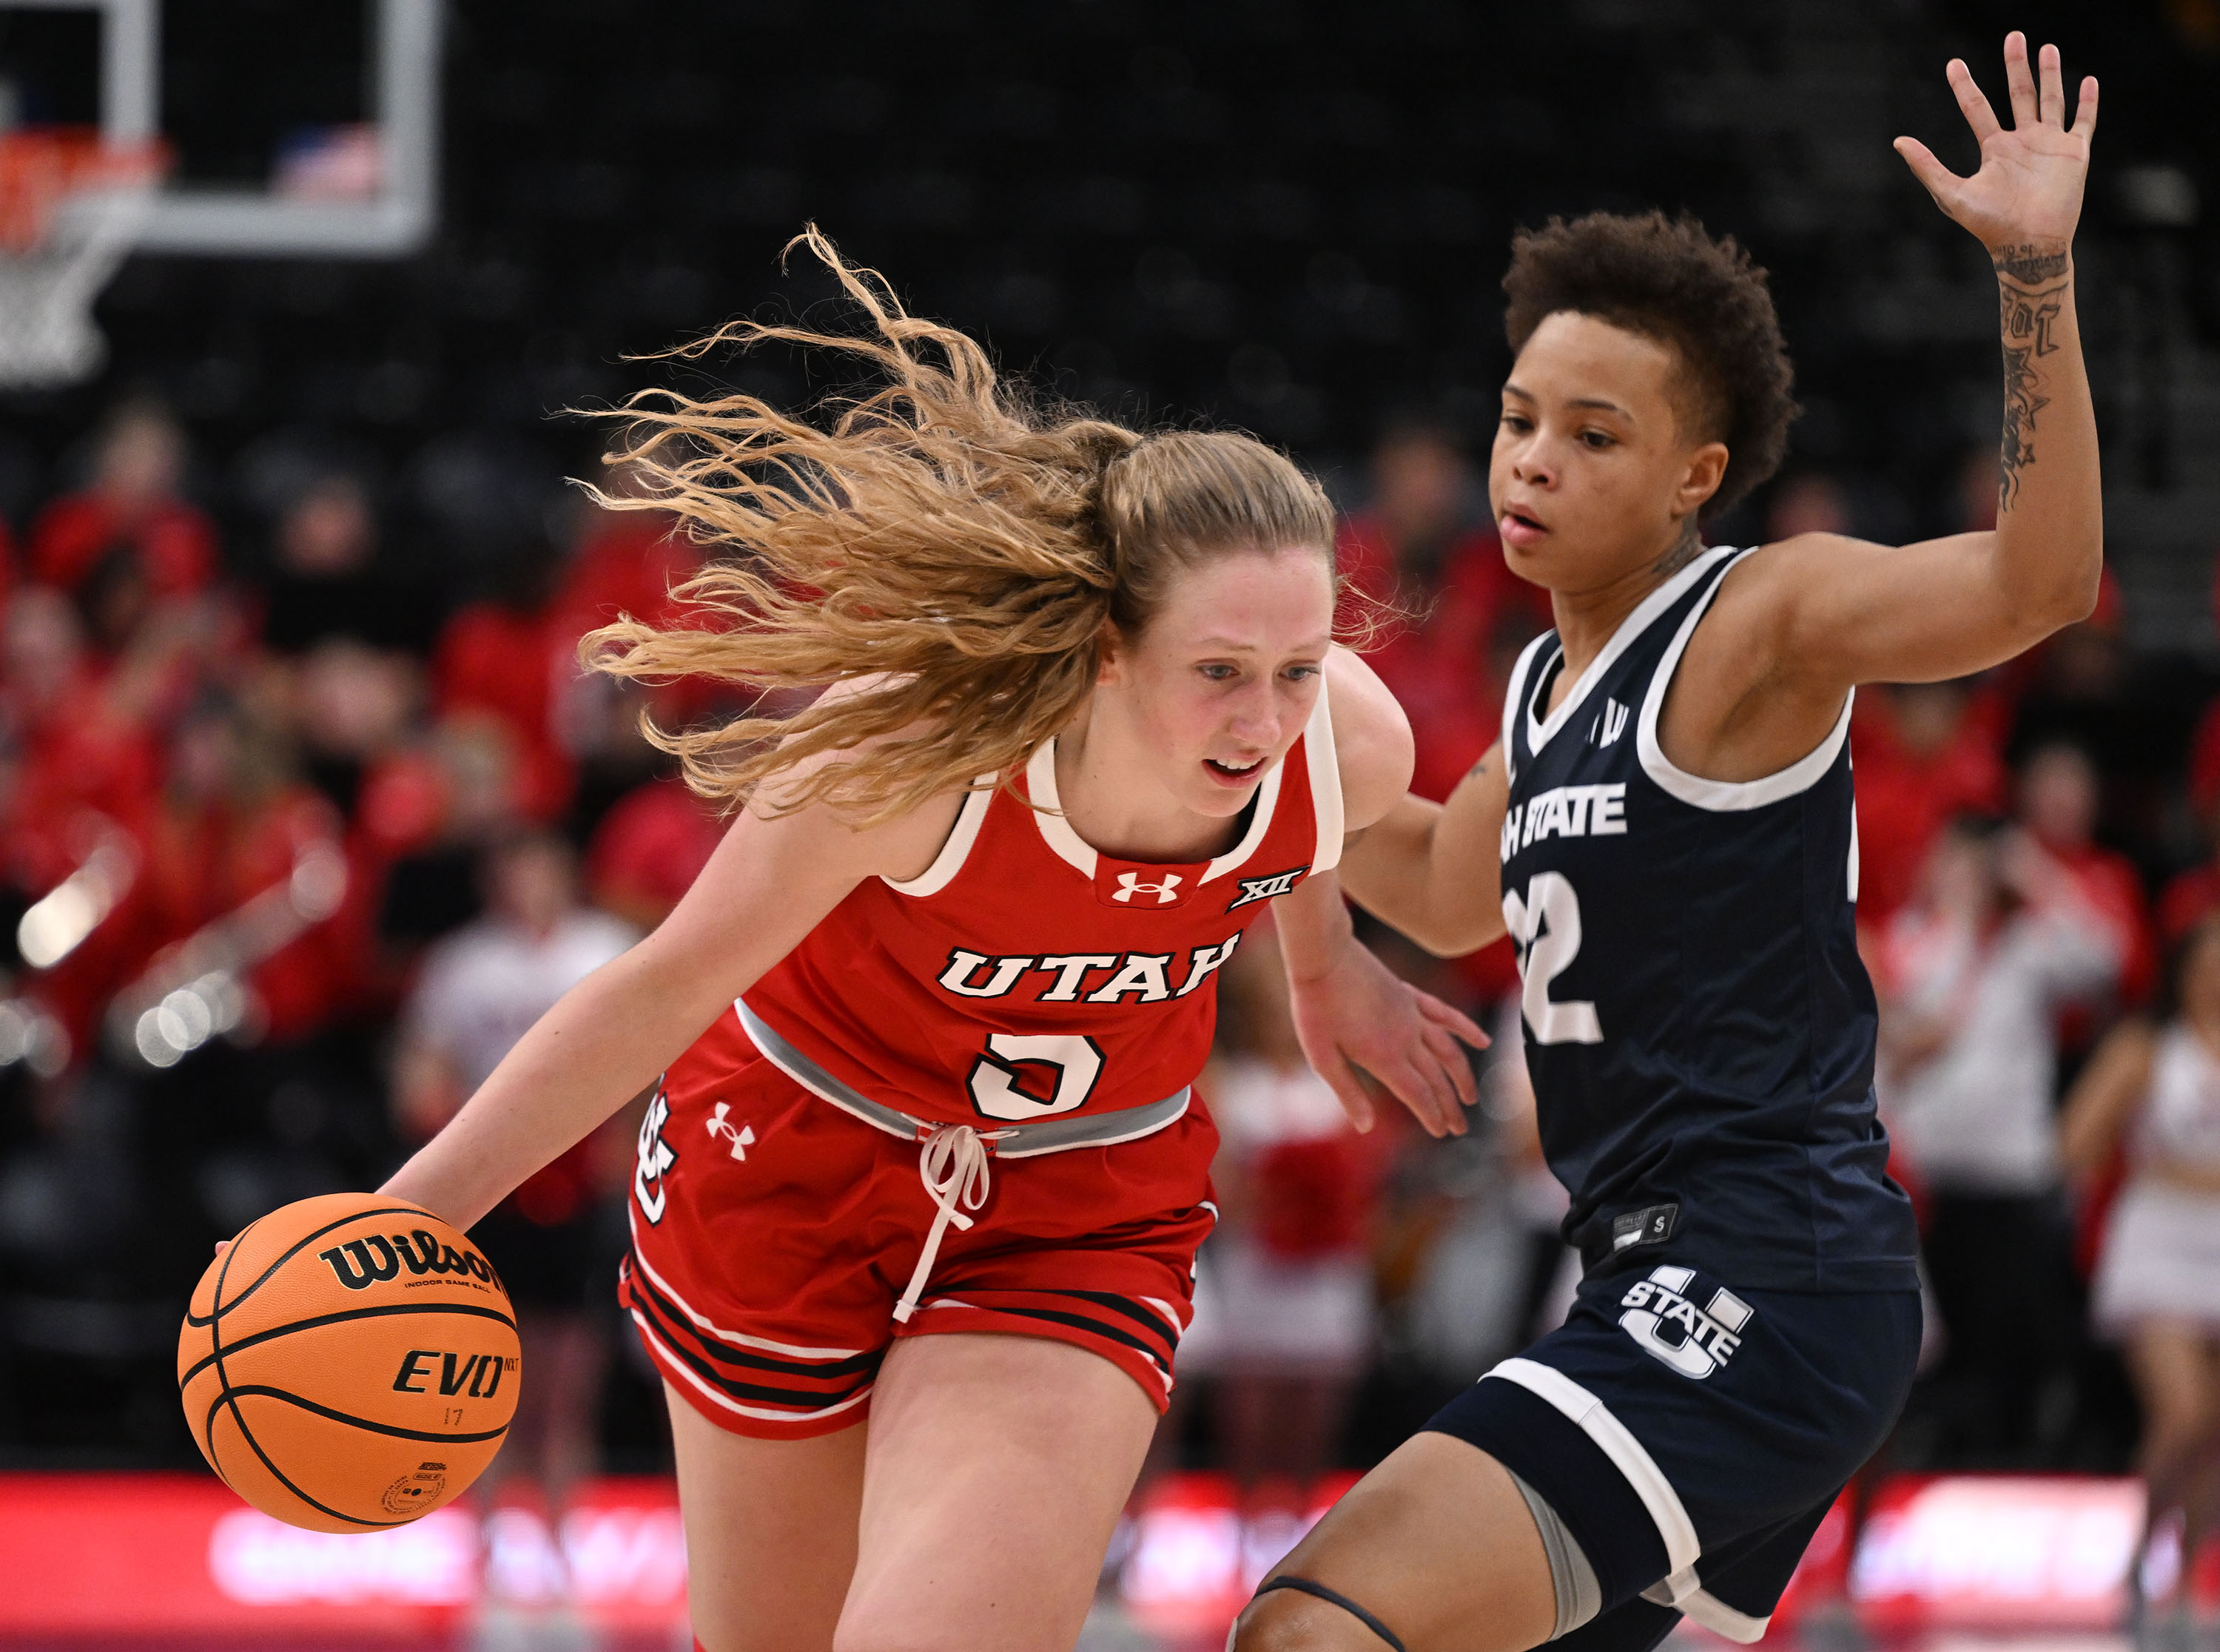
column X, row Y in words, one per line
column 1566, row 812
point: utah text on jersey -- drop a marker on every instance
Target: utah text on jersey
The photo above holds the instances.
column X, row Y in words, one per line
column 1143, row 977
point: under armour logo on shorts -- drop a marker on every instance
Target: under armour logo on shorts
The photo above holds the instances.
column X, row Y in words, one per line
column 1129, row 884
column 742, row 1139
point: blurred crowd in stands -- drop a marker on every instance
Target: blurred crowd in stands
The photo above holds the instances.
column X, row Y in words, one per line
column 296, row 838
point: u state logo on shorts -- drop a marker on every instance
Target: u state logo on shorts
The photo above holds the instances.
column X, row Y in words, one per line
column 1695, row 1341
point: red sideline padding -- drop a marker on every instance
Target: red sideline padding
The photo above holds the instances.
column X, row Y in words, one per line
column 127, row 1555
column 152, row 1558
column 1997, row 1552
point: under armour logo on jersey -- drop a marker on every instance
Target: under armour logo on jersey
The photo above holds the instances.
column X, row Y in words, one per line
column 1609, row 724
column 1129, row 884
column 656, row 1157
column 1695, row 1343
column 1264, row 889
column 742, row 1139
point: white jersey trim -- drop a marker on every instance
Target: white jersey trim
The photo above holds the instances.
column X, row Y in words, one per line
column 1326, row 784
column 1056, row 828
column 1724, row 795
column 1514, row 702
column 1260, row 822
column 1853, row 878
column 1627, row 1454
column 1683, row 1594
column 1539, row 731
column 955, row 849
column 1040, row 786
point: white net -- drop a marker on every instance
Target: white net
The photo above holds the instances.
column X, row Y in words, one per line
column 47, row 336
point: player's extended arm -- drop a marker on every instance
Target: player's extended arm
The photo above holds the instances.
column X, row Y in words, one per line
column 1350, row 1011
column 1433, row 870
column 767, row 886
column 1850, row 612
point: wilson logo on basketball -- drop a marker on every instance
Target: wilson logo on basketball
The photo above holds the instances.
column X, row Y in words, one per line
column 359, row 1263
column 479, row 1376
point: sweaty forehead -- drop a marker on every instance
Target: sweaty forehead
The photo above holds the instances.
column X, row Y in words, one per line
column 1575, row 357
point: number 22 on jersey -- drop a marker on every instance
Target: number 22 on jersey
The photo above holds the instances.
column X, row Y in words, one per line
column 1545, row 927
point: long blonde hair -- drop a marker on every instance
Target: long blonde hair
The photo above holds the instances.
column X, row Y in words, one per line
column 942, row 533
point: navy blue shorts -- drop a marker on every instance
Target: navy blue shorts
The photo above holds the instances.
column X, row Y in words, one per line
column 1692, row 1437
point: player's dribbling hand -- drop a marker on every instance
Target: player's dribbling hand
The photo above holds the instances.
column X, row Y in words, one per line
column 1360, row 1015
column 2027, row 192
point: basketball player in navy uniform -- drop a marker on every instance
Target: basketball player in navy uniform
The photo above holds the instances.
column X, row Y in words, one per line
column 1666, row 831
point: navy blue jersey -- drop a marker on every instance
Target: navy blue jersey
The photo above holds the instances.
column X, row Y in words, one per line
column 1699, row 1027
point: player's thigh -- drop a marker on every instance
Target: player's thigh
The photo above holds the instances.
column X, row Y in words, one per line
column 1436, row 1543
column 770, row 1532
column 2174, row 1374
column 996, row 1469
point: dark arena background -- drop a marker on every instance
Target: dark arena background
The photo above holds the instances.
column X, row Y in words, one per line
column 303, row 796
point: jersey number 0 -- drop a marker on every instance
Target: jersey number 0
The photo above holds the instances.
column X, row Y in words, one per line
column 1546, row 927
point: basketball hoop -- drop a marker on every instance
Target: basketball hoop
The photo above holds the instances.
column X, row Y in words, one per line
column 70, row 207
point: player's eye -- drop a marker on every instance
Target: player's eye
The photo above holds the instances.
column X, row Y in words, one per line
column 1217, row 671
column 1302, row 673
column 1598, row 438
column 1517, row 421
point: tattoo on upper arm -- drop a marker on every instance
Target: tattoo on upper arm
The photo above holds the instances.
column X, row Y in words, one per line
column 2027, row 318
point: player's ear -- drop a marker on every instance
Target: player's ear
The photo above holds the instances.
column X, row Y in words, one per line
column 1706, row 469
column 1110, row 656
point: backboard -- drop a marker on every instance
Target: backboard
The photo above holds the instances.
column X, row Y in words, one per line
column 92, row 171
column 363, row 189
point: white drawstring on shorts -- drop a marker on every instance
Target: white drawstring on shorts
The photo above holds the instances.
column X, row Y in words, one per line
column 953, row 1164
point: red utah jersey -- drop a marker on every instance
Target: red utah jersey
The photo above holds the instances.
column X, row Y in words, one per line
column 1023, row 975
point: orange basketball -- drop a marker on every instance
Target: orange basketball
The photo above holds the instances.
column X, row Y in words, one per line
column 349, row 1363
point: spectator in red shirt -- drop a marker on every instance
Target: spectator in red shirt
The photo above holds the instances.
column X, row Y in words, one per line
column 649, row 849
column 1925, row 751
column 1284, row 1309
column 133, row 504
column 81, row 745
column 233, row 822
column 505, row 657
column 627, row 561
column 2194, row 894
column 2058, row 799
column 1424, row 547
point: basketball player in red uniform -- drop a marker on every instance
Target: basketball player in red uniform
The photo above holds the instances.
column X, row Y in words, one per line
column 936, row 1160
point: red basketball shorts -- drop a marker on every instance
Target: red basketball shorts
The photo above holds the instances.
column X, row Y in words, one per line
column 774, row 1233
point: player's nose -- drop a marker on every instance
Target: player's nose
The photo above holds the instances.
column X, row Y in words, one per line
column 1255, row 718
column 1534, row 464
